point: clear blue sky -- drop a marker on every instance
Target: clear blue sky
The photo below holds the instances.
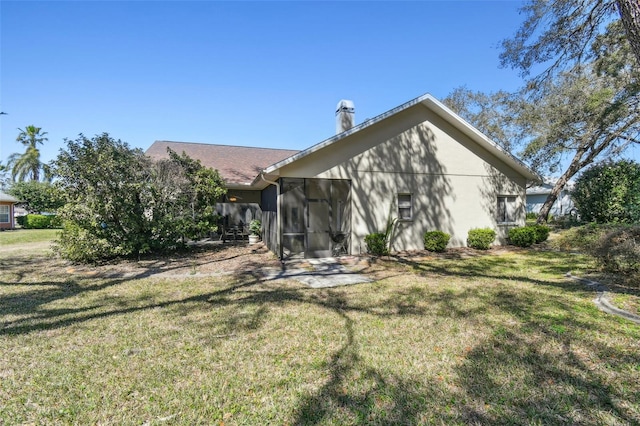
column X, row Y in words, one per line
column 265, row 74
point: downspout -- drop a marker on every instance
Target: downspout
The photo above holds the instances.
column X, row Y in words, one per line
column 278, row 213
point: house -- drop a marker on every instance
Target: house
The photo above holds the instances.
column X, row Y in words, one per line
column 7, row 206
column 537, row 195
column 419, row 163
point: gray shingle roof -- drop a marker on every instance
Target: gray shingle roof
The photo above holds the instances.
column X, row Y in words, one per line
column 236, row 164
column 8, row 198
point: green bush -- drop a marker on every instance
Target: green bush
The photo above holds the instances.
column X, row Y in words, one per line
column 56, row 222
column 80, row 245
column 542, row 233
column 609, row 193
column 581, row 238
column 532, row 215
column 481, row 238
column 436, row 240
column 619, row 250
column 376, row 244
column 20, row 220
column 38, row 221
column 523, row 236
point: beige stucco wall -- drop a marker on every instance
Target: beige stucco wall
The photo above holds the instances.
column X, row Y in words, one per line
column 454, row 182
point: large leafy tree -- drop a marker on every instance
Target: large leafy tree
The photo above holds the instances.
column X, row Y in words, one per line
column 27, row 166
column 38, row 197
column 584, row 114
column 558, row 34
column 121, row 203
column 568, row 121
column 490, row 113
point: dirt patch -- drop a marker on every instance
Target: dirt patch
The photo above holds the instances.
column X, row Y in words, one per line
column 201, row 260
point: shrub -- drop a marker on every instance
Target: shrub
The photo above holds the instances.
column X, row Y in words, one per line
column 523, row 236
column 581, row 238
column 376, row 244
column 130, row 204
column 532, row 215
column 21, row 220
column 79, row 245
column 609, row 193
column 619, row 250
column 436, row 240
column 542, row 233
column 56, row 222
column 38, row 221
column 481, row 238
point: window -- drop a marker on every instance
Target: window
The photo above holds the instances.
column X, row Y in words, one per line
column 405, row 207
column 506, row 209
column 4, row 214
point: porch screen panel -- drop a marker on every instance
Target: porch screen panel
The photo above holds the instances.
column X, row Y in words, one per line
column 319, row 218
column 293, row 220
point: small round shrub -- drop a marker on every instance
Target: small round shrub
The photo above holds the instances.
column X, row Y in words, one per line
column 436, row 241
column 542, row 233
column 376, row 244
column 523, row 236
column 481, row 238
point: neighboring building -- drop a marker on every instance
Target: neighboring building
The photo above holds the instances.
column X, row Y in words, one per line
column 537, row 195
column 419, row 163
column 7, row 206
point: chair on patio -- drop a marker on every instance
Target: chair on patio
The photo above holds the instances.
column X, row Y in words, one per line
column 339, row 240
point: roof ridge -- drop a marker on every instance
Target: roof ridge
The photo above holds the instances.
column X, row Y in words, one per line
column 229, row 145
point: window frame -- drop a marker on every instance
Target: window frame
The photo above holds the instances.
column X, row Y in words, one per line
column 504, row 214
column 402, row 205
column 8, row 213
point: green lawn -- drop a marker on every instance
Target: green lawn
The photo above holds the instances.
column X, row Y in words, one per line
column 483, row 340
column 22, row 236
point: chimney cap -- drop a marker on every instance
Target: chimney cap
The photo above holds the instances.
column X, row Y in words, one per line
column 345, row 105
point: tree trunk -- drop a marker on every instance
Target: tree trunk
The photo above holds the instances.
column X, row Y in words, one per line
column 548, row 203
column 630, row 14
column 575, row 166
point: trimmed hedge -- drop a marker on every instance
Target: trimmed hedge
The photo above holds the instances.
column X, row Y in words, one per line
column 481, row 238
column 39, row 221
column 376, row 244
column 436, row 240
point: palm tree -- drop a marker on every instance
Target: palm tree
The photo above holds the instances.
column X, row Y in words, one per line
column 27, row 165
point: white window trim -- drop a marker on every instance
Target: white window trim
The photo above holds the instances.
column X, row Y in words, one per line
column 8, row 213
column 404, row 206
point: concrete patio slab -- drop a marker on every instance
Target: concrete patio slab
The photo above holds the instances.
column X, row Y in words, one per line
column 318, row 273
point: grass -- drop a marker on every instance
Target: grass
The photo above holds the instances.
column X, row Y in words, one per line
column 482, row 340
column 23, row 236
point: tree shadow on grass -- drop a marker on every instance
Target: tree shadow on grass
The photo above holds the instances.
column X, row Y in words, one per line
column 514, row 379
column 498, row 379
